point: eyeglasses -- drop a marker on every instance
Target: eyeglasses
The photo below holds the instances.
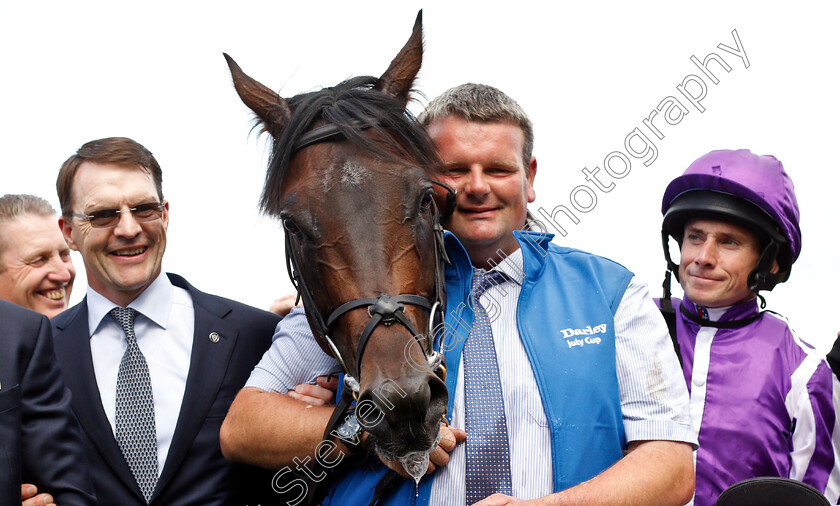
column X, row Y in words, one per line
column 106, row 218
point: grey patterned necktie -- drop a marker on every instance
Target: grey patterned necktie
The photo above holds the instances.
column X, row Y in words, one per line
column 488, row 453
column 135, row 418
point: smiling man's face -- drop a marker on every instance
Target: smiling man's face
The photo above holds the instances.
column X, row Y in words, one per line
column 36, row 271
column 120, row 261
column 483, row 161
column 716, row 259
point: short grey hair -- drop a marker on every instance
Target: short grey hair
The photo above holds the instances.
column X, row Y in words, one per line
column 13, row 206
column 480, row 102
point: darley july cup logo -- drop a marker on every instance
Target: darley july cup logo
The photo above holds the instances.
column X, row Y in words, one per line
column 589, row 335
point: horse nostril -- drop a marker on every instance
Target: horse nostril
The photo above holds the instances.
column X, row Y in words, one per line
column 438, row 398
column 409, row 409
column 394, row 399
column 369, row 415
column 437, row 389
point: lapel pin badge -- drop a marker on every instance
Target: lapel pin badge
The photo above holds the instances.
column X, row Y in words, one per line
column 214, row 337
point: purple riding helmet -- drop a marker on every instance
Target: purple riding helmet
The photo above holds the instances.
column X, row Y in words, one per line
column 740, row 187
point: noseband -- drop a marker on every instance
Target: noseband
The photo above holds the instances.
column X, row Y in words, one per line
column 384, row 309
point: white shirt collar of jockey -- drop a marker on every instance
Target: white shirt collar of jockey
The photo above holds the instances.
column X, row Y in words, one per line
column 711, row 313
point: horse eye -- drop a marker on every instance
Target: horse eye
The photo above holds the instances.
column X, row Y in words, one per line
column 290, row 226
column 426, row 201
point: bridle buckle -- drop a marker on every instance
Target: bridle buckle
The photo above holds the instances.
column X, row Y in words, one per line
column 385, row 307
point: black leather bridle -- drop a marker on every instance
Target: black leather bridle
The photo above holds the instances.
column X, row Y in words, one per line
column 384, row 309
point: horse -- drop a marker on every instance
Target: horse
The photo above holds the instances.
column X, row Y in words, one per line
column 349, row 177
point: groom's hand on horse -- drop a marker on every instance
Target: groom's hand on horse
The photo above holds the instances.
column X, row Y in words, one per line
column 321, row 394
column 449, row 438
column 282, row 305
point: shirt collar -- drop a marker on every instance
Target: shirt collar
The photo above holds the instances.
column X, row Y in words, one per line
column 511, row 266
column 738, row 311
column 154, row 303
column 712, row 313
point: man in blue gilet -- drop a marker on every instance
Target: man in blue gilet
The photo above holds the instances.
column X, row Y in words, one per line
column 589, row 403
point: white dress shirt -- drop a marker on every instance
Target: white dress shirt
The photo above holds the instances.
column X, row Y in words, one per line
column 164, row 328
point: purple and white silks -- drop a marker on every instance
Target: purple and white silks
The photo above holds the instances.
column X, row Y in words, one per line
column 763, row 403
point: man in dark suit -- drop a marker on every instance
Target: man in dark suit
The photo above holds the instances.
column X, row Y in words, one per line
column 39, row 440
column 152, row 362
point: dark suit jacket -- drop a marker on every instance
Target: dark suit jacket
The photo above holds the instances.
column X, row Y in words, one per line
column 40, row 441
column 833, row 358
column 195, row 472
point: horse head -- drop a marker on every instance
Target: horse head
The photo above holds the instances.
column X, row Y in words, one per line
column 349, row 177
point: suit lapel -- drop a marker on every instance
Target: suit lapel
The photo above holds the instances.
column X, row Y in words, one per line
column 72, row 344
column 208, row 366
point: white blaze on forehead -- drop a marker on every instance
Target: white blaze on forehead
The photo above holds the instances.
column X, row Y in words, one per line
column 354, row 174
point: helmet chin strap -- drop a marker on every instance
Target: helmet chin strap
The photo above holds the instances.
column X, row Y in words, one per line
column 672, row 267
column 762, row 277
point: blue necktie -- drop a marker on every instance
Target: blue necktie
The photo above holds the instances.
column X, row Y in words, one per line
column 488, row 453
column 135, row 417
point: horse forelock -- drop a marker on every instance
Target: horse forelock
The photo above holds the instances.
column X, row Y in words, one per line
column 398, row 136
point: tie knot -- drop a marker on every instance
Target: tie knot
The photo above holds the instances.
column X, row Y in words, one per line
column 125, row 317
column 482, row 280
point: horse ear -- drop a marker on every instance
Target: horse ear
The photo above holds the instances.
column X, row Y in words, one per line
column 272, row 109
column 398, row 79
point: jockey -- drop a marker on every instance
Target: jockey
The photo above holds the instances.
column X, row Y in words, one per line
column 761, row 399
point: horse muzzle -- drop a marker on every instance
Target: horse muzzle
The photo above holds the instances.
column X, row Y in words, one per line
column 403, row 413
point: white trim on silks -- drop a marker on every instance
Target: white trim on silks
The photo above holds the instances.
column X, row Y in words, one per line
column 699, row 381
column 832, row 488
column 700, row 375
column 798, row 340
column 799, row 408
column 803, row 439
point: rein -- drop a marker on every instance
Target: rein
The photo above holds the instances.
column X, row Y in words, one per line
column 384, row 309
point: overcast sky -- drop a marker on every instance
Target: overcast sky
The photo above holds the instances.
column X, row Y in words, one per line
column 588, row 75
